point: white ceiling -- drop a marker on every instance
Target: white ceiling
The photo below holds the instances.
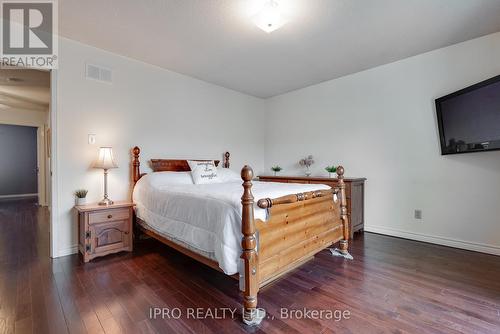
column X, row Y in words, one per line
column 24, row 89
column 215, row 40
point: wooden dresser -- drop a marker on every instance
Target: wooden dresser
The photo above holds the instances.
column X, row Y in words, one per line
column 355, row 193
column 104, row 230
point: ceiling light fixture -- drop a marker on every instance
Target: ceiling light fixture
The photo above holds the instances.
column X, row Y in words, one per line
column 269, row 18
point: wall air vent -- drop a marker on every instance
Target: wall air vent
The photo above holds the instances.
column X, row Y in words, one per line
column 98, row 73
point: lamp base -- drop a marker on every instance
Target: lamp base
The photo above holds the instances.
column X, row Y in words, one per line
column 106, row 201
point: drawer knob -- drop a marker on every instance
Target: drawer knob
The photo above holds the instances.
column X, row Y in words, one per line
column 110, row 216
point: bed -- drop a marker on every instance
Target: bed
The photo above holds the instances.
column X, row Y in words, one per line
column 285, row 227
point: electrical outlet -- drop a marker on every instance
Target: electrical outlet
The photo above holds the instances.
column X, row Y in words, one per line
column 91, row 139
column 418, row 214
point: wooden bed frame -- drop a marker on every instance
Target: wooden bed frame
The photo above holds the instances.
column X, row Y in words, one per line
column 299, row 226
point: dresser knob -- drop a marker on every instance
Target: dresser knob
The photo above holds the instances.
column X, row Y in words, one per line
column 110, row 216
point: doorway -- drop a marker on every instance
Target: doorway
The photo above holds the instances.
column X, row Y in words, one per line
column 19, row 173
column 25, row 139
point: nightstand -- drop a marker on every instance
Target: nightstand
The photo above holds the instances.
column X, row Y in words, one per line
column 104, row 230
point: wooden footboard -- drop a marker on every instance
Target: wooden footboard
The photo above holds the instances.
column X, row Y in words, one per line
column 299, row 226
column 296, row 231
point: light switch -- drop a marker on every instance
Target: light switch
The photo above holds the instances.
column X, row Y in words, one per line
column 91, row 139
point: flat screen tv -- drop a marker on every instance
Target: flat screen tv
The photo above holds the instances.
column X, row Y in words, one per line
column 469, row 119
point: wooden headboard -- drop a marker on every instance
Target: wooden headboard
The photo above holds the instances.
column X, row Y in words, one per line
column 167, row 165
column 171, row 165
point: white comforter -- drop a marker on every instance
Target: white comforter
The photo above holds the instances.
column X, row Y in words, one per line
column 206, row 218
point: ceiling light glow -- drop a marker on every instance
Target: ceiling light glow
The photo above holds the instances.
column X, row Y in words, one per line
column 269, row 18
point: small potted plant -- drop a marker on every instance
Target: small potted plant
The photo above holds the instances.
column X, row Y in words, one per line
column 330, row 170
column 307, row 163
column 81, row 196
column 276, row 169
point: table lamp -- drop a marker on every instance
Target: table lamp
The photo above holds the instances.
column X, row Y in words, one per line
column 105, row 161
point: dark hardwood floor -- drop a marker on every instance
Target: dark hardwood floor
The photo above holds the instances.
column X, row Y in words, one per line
column 393, row 285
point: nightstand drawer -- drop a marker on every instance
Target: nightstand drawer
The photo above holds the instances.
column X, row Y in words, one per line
column 109, row 215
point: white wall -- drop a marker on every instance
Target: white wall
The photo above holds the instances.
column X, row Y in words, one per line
column 381, row 124
column 167, row 114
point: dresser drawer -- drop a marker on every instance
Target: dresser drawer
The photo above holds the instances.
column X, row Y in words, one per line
column 328, row 183
column 275, row 180
column 298, row 181
column 109, row 215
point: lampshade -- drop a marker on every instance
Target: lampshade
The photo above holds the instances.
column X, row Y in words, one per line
column 105, row 159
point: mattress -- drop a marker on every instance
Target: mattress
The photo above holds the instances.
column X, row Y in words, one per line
column 205, row 218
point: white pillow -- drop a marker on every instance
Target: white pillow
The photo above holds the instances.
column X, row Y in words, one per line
column 168, row 178
column 203, row 172
column 227, row 175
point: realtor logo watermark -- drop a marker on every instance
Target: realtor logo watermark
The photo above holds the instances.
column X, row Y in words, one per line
column 29, row 34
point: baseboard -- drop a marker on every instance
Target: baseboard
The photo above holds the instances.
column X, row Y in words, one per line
column 18, row 196
column 482, row 248
column 67, row 251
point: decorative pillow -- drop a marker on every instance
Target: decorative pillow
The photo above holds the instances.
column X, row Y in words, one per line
column 227, row 175
column 203, row 172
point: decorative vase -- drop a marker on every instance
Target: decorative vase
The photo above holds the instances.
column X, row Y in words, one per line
column 308, row 171
column 80, row 201
column 330, row 175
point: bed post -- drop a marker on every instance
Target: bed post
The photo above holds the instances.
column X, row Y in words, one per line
column 136, row 174
column 344, row 246
column 251, row 314
column 226, row 160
